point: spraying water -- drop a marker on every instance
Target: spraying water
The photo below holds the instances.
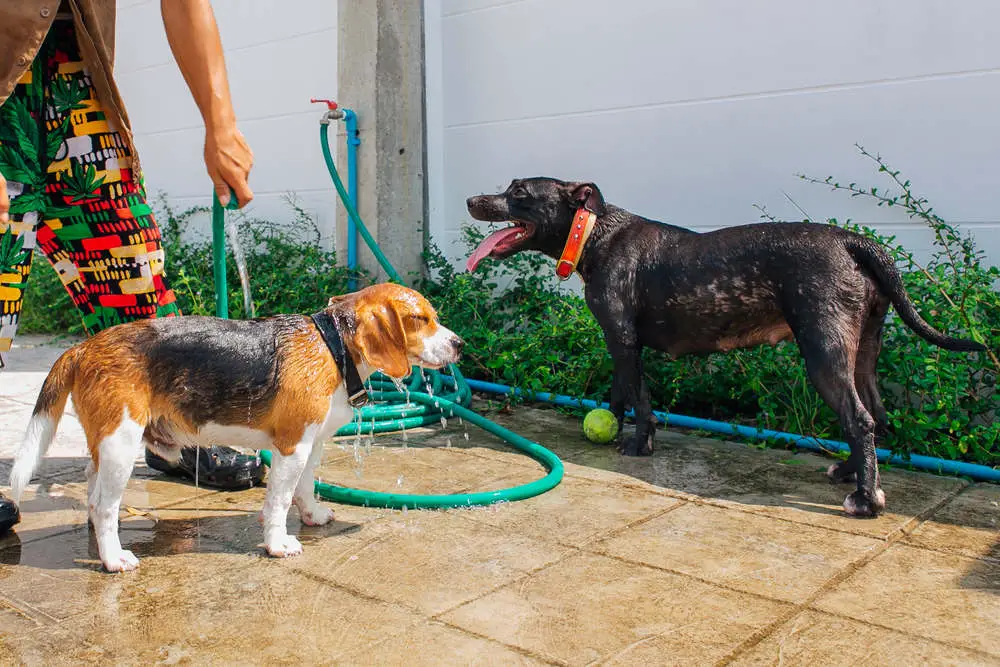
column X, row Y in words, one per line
column 241, row 267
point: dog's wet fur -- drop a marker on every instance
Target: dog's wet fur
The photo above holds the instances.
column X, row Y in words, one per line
column 651, row 284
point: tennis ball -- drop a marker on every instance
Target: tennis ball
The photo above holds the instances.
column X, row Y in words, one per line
column 600, row 426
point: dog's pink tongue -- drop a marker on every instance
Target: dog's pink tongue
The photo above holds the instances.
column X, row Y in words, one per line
column 487, row 246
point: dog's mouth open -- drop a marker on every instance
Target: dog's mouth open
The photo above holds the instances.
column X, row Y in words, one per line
column 501, row 243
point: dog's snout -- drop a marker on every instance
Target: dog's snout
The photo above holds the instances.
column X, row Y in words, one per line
column 457, row 344
column 472, row 202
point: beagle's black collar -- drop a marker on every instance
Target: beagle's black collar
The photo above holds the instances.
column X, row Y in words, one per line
column 357, row 395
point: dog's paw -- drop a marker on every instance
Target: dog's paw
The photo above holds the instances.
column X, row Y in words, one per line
column 841, row 472
column 858, row 504
column 313, row 513
column 635, row 446
column 123, row 561
column 283, row 547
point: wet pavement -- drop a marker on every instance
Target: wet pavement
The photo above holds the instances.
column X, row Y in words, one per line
column 706, row 553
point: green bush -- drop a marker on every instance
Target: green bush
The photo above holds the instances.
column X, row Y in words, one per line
column 520, row 329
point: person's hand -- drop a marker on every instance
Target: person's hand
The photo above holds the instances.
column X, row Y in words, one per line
column 228, row 159
column 4, row 201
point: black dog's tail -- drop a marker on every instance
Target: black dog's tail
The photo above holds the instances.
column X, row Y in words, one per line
column 873, row 258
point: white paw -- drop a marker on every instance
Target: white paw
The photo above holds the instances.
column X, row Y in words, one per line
column 125, row 561
column 283, row 547
column 313, row 513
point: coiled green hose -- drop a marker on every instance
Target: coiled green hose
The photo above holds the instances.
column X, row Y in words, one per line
column 395, row 410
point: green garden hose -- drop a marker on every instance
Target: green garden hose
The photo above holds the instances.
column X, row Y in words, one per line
column 394, row 410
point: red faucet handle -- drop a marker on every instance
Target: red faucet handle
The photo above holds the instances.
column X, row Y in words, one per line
column 330, row 104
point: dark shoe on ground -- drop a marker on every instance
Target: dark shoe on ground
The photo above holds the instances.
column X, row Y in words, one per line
column 218, row 467
column 9, row 514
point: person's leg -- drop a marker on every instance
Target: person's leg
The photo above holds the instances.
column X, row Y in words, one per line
column 97, row 229
column 22, row 162
column 110, row 234
column 99, row 233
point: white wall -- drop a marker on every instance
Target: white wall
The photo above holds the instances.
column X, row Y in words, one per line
column 691, row 111
column 279, row 54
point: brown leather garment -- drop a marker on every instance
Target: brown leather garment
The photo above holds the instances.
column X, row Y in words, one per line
column 23, row 26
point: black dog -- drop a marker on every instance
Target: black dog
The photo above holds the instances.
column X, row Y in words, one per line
column 675, row 290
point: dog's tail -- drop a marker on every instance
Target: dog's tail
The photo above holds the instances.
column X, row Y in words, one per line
column 878, row 263
column 42, row 427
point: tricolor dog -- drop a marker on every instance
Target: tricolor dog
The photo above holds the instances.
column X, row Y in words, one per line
column 284, row 383
column 651, row 284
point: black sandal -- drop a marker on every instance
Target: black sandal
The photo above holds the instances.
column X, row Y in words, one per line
column 218, row 467
column 9, row 514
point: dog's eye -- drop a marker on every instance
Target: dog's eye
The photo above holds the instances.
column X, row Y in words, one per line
column 520, row 192
column 420, row 319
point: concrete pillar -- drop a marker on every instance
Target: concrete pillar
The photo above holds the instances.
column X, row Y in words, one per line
column 380, row 75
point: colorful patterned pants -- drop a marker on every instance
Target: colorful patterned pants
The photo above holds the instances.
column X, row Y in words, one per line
column 74, row 198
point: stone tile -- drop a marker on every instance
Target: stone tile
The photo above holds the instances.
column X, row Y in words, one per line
column 802, row 493
column 684, row 467
column 46, row 510
column 250, row 611
column 479, row 444
column 54, row 468
column 434, row 644
column 560, row 433
column 14, row 623
column 43, row 647
column 756, row 554
column 420, row 470
column 814, row 638
column 388, row 470
column 589, row 608
column 968, row 525
column 944, row 597
column 428, row 560
column 232, row 518
column 574, row 513
column 53, row 580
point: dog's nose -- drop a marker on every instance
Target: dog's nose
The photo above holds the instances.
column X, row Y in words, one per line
column 457, row 343
column 470, row 203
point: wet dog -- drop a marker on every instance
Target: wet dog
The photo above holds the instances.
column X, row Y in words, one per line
column 672, row 289
column 284, row 383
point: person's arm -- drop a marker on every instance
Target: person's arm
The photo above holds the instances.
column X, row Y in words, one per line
column 194, row 39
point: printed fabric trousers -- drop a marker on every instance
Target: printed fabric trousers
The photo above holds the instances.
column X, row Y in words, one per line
column 74, row 197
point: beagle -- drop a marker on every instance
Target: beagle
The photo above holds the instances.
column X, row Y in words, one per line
column 284, row 383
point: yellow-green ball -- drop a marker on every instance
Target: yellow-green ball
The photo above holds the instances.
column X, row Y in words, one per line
column 600, row 426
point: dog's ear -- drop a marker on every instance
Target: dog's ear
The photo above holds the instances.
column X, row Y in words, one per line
column 585, row 195
column 381, row 340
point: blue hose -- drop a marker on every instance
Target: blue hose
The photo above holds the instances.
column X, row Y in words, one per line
column 975, row 471
column 353, row 141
